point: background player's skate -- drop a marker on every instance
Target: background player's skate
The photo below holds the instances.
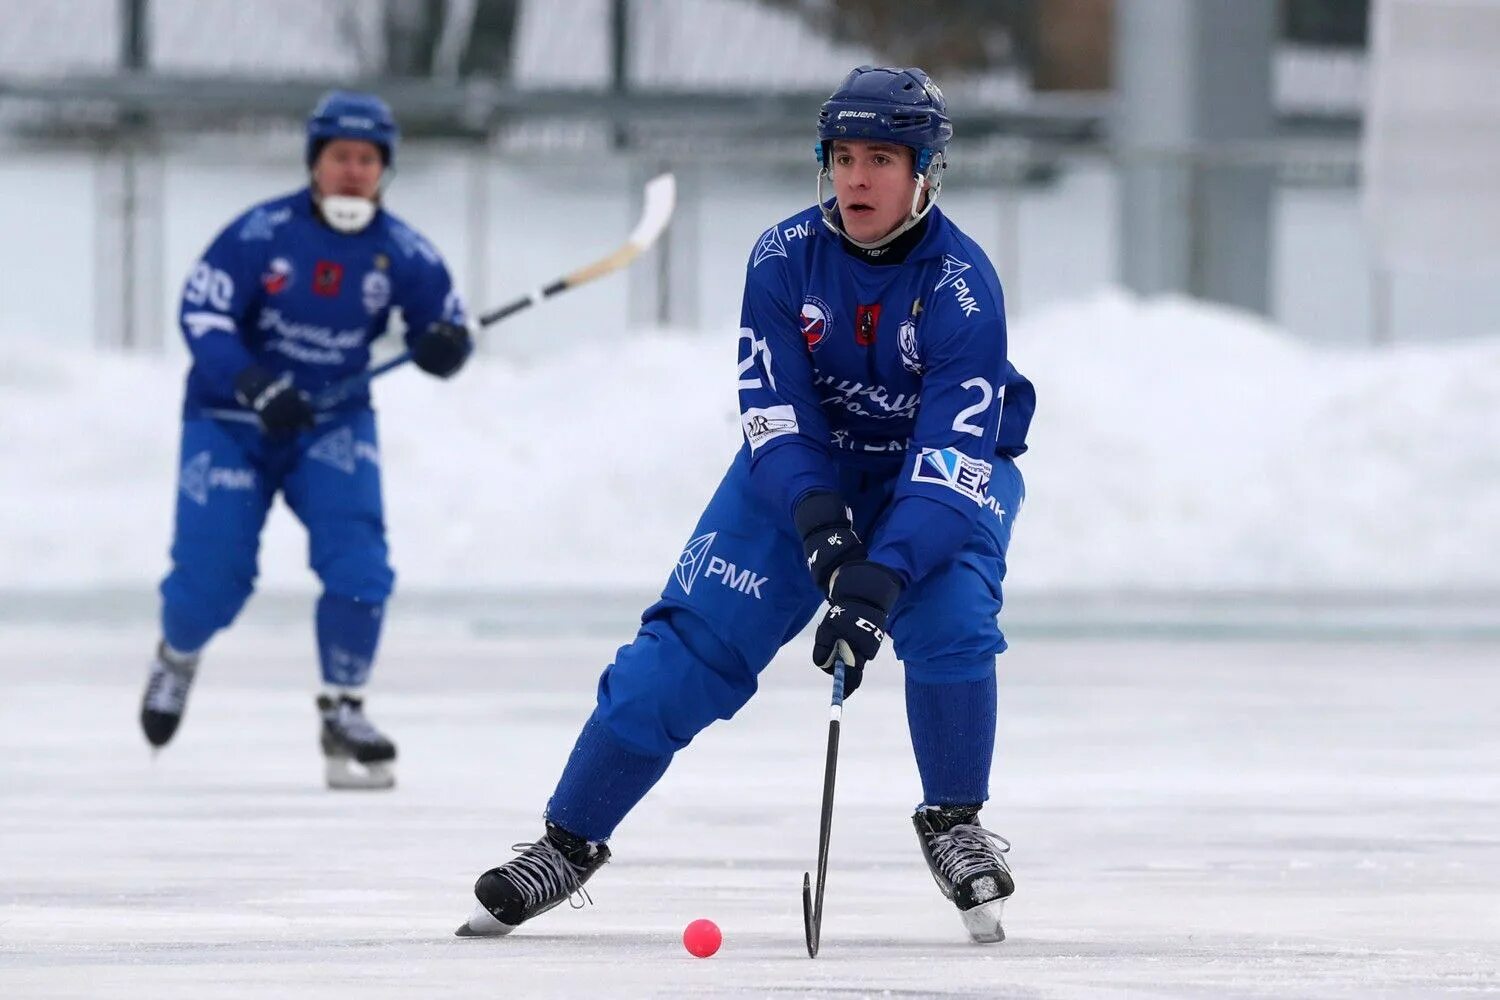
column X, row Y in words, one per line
column 356, row 755
column 167, row 689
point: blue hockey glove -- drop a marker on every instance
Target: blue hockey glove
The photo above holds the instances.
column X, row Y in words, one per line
column 853, row 627
column 828, row 538
column 442, row 348
column 283, row 409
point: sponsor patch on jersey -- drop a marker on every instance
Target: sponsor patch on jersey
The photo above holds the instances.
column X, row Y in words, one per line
column 278, row 276
column 328, row 277
column 952, row 468
column 764, row 424
column 261, row 224
column 952, row 268
column 906, row 340
column 815, row 319
column 770, row 245
column 866, row 322
column 375, row 291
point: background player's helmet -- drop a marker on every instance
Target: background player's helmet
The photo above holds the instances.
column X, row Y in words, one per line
column 882, row 104
column 347, row 114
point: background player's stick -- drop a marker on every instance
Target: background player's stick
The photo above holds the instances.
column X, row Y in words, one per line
column 656, row 212
column 812, row 909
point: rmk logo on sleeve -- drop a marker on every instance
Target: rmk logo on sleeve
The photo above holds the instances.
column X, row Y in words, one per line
column 763, row 424
column 953, row 270
column 691, row 563
column 950, row 467
column 770, row 245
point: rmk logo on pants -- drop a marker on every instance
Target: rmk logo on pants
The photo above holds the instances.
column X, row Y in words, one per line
column 690, row 564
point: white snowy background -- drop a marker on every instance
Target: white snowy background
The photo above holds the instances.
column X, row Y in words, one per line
column 1176, row 445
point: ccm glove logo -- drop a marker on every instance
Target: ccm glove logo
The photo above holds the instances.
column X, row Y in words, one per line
column 864, row 623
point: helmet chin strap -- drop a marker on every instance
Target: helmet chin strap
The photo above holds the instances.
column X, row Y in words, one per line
column 930, row 181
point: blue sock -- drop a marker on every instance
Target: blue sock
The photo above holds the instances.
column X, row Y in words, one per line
column 184, row 631
column 953, row 737
column 348, row 632
column 601, row 782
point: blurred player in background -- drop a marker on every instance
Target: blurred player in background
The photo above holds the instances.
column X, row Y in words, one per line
column 881, row 419
column 284, row 303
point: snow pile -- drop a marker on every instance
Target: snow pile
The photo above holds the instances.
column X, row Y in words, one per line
column 1176, row 445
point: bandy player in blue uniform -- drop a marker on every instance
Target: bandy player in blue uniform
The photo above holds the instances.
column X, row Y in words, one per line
column 284, row 303
column 881, row 419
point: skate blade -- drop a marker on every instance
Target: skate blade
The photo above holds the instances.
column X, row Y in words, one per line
column 983, row 921
column 482, row 923
column 345, row 773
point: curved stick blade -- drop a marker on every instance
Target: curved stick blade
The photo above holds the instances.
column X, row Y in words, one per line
column 807, row 916
column 660, row 200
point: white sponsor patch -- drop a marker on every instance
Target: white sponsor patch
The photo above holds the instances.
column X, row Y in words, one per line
column 952, row 468
column 375, row 291
column 906, row 340
column 763, row 424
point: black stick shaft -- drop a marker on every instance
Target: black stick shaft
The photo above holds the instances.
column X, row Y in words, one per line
column 812, row 906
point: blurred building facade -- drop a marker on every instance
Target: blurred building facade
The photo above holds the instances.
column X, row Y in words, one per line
column 530, row 125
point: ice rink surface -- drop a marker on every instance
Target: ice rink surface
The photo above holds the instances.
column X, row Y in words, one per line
column 1190, row 819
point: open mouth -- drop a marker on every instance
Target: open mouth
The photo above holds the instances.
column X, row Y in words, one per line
column 859, row 208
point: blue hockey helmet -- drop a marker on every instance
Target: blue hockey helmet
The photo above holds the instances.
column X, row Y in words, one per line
column 884, row 104
column 348, row 114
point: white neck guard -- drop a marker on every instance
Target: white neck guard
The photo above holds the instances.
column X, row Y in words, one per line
column 346, row 213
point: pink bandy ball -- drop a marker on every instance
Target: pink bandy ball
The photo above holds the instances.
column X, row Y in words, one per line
column 702, row 938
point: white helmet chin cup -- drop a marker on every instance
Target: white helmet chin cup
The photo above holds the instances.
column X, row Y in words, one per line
column 346, row 213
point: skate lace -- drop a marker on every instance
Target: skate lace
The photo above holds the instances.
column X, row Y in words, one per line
column 542, row 871
column 969, row 849
column 351, row 722
column 167, row 690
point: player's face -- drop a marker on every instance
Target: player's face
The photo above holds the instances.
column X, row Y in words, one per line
column 348, row 167
column 873, row 182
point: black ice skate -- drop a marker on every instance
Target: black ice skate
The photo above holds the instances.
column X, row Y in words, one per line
column 355, row 753
column 542, row 875
column 968, row 863
column 166, row 694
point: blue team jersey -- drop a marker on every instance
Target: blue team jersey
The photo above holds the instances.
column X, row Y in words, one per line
column 280, row 288
column 900, row 369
